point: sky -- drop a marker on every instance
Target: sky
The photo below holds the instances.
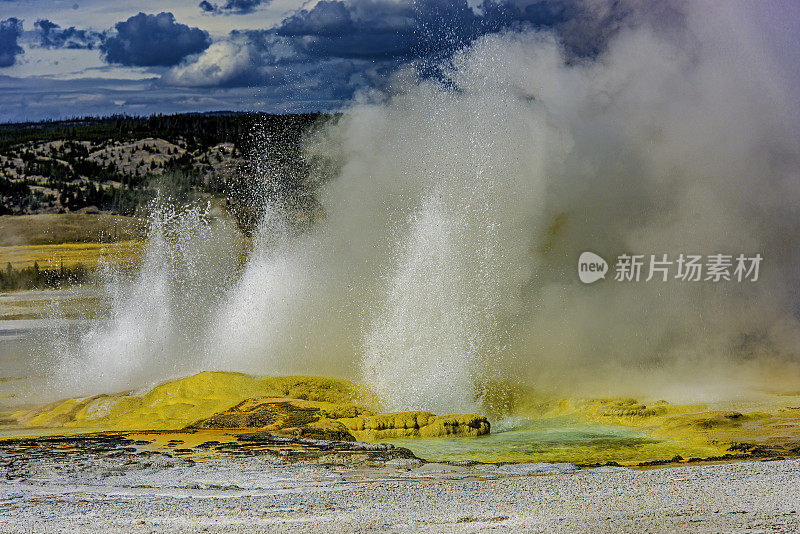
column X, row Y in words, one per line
column 67, row 58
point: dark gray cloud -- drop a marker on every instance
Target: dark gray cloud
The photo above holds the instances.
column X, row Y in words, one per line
column 382, row 29
column 153, row 40
column 343, row 46
column 51, row 35
column 232, row 6
column 10, row 30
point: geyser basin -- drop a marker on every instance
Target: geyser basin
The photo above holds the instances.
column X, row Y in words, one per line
column 429, row 248
column 580, row 431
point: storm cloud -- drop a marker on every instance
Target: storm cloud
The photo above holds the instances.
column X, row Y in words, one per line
column 10, row 30
column 51, row 35
column 339, row 47
column 153, row 40
column 232, row 6
column 412, row 29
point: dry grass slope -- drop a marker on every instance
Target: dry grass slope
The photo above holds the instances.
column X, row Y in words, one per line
column 89, row 255
column 54, row 229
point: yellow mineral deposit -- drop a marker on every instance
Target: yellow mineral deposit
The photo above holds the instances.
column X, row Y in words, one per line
column 334, row 409
column 299, row 406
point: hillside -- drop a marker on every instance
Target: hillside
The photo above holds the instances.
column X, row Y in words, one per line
column 114, row 164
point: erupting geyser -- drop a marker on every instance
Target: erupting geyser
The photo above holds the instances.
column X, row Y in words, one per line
column 445, row 258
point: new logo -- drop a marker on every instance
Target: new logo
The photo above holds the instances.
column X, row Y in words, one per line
column 591, row 267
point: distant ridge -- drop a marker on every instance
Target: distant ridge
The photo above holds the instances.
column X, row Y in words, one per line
column 89, row 120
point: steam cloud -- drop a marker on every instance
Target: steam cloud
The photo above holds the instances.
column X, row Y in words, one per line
column 447, row 256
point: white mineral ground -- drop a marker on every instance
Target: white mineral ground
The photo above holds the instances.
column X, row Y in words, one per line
column 258, row 495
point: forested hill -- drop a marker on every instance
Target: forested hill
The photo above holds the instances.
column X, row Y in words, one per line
column 113, row 164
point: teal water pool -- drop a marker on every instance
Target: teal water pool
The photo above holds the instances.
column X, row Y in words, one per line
column 557, row 439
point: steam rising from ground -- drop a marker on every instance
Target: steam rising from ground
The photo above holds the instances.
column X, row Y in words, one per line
column 159, row 316
column 447, row 255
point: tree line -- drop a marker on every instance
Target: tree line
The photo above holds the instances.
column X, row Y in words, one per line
column 35, row 278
